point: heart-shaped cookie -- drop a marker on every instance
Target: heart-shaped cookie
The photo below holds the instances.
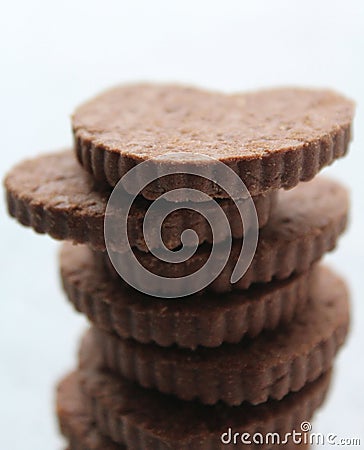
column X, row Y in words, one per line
column 270, row 138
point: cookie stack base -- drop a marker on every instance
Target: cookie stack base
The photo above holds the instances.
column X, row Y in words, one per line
column 88, row 426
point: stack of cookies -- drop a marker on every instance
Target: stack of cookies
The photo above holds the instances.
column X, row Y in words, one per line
column 234, row 363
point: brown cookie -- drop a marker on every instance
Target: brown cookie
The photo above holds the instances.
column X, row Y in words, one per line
column 207, row 319
column 270, row 138
column 78, row 426
column 269, row 366
column 304, row 225
column 75, row 422
column 52, row 194
column 146, row 419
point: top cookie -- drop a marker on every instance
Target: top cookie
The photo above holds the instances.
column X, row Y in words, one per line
column 271, row 138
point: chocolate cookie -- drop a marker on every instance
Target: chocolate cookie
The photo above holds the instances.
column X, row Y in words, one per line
column 52, row 194
column 75, row 422
column 305, row 224
column 269, row 366
column 270, row 138
column 144, row 431
column 146, row 419
column 207, row 319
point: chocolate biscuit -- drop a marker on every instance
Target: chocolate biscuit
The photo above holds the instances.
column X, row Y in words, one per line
column 146, row 419
column 207, row 319
column 79, row 427
column 269, row 366
column 270, row 138
column 53, row 195
column 75, row 422
column 304, row 225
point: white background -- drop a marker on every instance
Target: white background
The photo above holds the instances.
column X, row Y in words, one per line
column 57, row 54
